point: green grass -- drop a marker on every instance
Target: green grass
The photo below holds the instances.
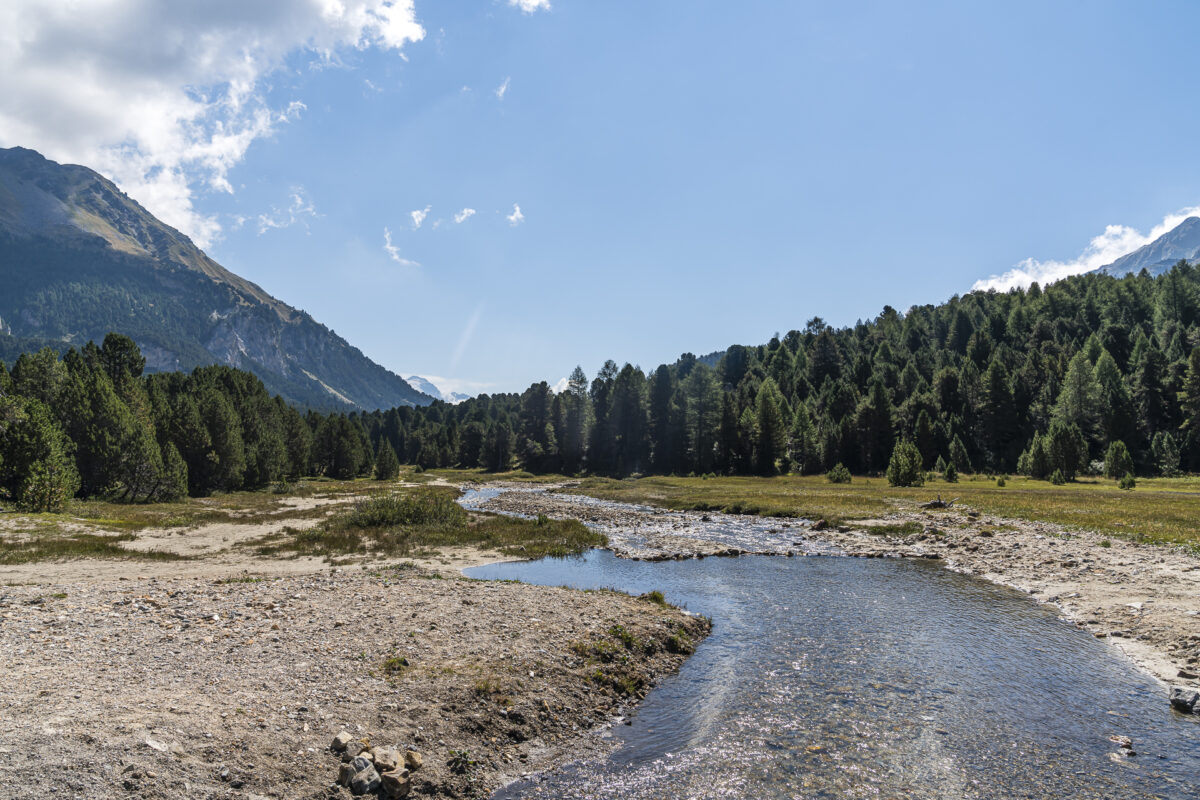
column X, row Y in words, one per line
column 60, row 547
column 238, row 507
column 1159, row 510
column 484, row 475
column 427, row 517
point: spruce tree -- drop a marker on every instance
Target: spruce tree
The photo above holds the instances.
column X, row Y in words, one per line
column 387, row 466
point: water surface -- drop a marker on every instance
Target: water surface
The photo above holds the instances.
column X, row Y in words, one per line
column 831, row 677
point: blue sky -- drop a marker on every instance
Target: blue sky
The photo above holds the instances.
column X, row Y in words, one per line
column 689, row 174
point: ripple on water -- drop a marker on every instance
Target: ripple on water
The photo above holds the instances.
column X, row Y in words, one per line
column 869, row 678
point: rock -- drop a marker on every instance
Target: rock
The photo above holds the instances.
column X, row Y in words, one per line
column 366, row 778
column 353, row 749
column 1185, row 699
column 340, row 742
column 413, row 760
column 394, row 784
column 387, row 759
column 820, row 525
column 345, row 774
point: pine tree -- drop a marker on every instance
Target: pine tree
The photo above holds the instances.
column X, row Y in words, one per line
column 702, row 419
column 904, row 467
column 770, row 427
column 958, row 456
column 1117, row 461
column 37, row 469
column 387, row 465
column 1066, row 449
column 1189, row 400
column 1114, row 401
column 1077, row 402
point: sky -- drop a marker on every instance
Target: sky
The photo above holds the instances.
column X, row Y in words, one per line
column 490, row 192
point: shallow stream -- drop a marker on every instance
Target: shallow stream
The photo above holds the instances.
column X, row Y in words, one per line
column 830, row 677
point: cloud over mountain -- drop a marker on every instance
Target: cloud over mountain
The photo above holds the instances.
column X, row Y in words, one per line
column 178, row 110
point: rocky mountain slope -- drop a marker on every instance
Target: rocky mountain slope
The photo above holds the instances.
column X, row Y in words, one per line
column 1180, row 243
column 79, row 258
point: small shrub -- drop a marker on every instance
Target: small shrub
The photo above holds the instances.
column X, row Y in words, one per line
column 655, row 597
column 1128, row 482
column 418, row 508
column 1057, row 477
column 951, row 474
column 460, row 762
column 1001, row 482
column 1105, row 543
column 839, row 474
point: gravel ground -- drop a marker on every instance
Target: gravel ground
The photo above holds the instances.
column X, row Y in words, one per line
column 191, row 687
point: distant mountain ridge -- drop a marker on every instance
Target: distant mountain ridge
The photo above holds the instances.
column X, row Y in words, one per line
column 80, row 258
column 428, row 387
column 1180, row 243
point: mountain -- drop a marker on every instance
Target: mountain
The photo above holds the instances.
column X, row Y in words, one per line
column 427, row 386
column 1181, row 242
column 80, row 258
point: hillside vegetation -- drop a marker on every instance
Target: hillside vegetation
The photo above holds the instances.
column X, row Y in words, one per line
column 1045, row 381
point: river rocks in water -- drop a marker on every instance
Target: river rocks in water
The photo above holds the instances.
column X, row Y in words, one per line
column 1185, row 699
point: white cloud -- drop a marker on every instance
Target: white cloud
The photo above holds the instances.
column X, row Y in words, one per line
column 530, row 6
column 419, row 216
column 1102, row 250
column 502, row 89
column 463, row 216
column 560, row 386
column 394, row 252
column 300, row 209
column 166, row 98
column 515, row 218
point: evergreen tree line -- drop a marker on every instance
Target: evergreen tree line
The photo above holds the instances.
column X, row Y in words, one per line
column 91, row 424
column 1044, row 382
column 1037, row 381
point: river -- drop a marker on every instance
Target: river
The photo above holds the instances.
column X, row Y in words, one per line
column 832, row 677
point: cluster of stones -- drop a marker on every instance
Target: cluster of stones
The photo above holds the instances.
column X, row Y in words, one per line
column 374, row 770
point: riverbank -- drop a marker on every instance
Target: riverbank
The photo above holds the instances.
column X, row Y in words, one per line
column 190, row 662
column 1144, row 599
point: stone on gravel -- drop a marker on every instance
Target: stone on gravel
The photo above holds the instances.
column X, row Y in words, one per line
column 412, row 760
column 1185, row 699
column 394, row 784
column 341, row 741
column 366, row 778
column 386, row 758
